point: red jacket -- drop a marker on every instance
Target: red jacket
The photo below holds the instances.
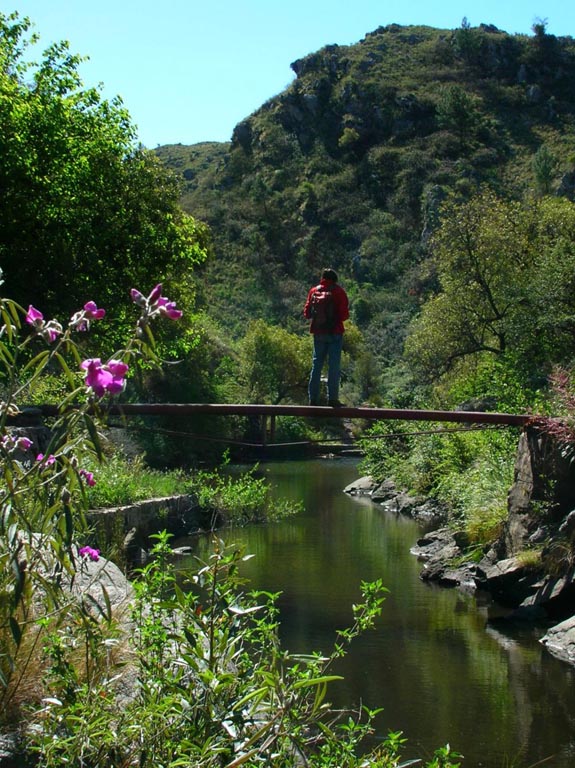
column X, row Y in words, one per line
column 340, row 301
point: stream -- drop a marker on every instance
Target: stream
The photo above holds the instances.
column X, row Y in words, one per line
column 438, row 663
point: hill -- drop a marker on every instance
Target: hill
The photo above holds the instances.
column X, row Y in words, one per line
column 349, row 164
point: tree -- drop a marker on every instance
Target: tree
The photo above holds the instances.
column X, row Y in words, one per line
column 458, row 112
column 86, row 210
column 482, row 259
column 506, row 272
column 544, row 165
column 274, row 364
column 467, row 43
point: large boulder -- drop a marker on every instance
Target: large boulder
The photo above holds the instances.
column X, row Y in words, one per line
column 441, row 551
column 101, row 581
column 363, row 486
column 560, row 640
column 509, row 581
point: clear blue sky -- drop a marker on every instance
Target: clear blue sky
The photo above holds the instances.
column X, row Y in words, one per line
column 190, row 70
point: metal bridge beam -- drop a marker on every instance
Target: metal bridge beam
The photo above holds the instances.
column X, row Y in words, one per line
column 248, row 409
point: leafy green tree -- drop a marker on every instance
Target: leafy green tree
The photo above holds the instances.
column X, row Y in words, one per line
column 83, row 207
column 274, row 364
column 506, row 274
column 467, row 43
column 458, row 112
column 480, row 255
column 552, row 289
column 544, row 165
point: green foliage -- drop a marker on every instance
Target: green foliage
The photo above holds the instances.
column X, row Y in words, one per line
column 213, row 684
column 85, row 208
column 237, row 500
column 496, row 383
column 469, row 471
column 120, row 481
column 544, row 166
column 273, row 364
column 468, row 43
column 505, row 276
column 43, row 495
column 457, row 111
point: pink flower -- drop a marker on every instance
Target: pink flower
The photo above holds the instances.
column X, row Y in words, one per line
column 49, row 331
column 118, row 368
column 14, row 443
column 104, row 378
column 138, row 298
column 155, row 304
column 46, row 460
column 168, row 308
column 155, row 294
column 92, row 312
column 34, row 317
column 88, row 477
column 89, row 552
column 81, row 320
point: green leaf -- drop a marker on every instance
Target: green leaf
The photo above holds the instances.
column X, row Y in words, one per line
column 242, row 758
column 69, row 525
column 257, row 694
column 64, row 365
column 19, row 580
column 6, row 356
column 7, row 321
column 15, row 630
column 37, row 363
column 316, row 681
column 94, row 437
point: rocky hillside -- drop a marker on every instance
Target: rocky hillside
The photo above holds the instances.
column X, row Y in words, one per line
column 348, row 165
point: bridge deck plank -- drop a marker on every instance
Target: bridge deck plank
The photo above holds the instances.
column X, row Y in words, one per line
column 251, row 409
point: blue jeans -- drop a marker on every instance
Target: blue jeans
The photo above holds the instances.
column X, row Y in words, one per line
column 325, row 345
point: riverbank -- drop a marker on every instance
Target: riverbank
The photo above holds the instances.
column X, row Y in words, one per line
column 529, row 569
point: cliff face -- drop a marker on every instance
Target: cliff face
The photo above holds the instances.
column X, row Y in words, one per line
column 541, row 501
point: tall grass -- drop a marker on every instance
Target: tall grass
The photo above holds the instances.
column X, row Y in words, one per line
column 123, row 481
column 469, row 470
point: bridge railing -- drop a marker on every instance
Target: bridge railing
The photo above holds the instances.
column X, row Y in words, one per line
column 251, row 409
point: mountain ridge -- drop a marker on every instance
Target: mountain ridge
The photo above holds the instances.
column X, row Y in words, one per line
column 349, row 164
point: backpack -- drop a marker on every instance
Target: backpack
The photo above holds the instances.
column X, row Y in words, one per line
column 323, row 311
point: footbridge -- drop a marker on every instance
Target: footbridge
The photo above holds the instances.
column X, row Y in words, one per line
column 312, row 411
column 267, row 414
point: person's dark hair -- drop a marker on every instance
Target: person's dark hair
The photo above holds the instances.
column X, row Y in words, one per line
column 329, row 274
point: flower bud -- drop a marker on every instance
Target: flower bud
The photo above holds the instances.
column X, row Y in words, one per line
column 138, row 298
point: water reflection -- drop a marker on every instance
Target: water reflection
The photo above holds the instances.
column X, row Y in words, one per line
column 441, row 673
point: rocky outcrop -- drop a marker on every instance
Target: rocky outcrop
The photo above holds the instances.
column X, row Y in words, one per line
column 530, row 569
column 387, row 495
column 102, row 587
column 442, row 552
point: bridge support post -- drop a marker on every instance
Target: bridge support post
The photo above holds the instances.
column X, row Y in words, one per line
column 265, row 433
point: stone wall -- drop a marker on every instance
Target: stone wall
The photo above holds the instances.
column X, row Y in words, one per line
column 127, row 529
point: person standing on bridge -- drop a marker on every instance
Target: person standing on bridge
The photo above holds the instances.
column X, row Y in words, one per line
column 327, row 307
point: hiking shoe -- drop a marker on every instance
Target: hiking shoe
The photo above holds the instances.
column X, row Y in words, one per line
column 335, row 404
